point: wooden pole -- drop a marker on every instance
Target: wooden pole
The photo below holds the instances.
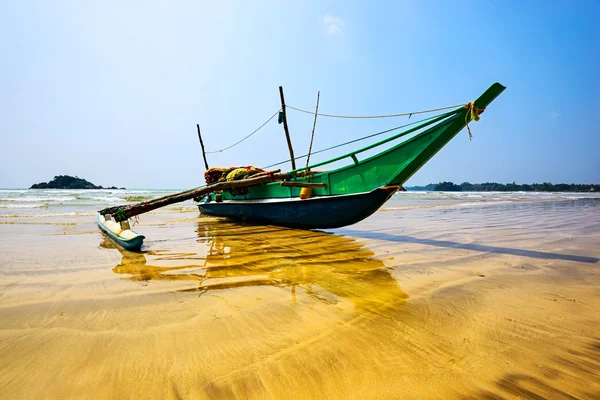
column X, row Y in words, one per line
column 122, row 213
column 202, row 145
column 285, row 127
column 313, row 131
column 111, row 210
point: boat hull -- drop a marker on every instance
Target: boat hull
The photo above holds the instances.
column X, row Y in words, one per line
column 314, row 213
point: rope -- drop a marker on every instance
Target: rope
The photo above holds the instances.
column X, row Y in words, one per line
column 354, row 141
column 376, row 116
column 473, row 113
column 236, row 143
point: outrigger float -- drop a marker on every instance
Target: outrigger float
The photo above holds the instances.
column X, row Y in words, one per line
column 304, row 197
column 126, row 238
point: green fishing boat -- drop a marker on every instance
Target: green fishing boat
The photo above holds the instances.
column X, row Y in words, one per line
column 311, row 198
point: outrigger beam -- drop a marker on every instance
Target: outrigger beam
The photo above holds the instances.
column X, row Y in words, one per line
column 122, row 213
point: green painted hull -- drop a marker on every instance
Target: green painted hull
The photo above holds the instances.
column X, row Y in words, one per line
column 390, row 167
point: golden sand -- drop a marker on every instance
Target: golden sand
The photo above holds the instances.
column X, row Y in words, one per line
column 495, row 303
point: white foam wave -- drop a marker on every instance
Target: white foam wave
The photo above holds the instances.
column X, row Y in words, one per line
column 44, row 199
column 108, row 199
column 23, row 205
column 43, row 214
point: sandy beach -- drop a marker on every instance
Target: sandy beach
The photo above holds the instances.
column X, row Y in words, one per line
column 431, row 297
column 442, row 160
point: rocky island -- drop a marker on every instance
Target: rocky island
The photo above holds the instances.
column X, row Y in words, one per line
column 68, row 182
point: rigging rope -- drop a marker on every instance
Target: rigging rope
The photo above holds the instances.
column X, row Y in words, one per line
column 356, row 140
column 236, row 143
column 375, row 116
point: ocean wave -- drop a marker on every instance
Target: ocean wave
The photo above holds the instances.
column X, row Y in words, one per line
column 492, row 196
column 39, row 199
column 23, row 205
column 441, row 206
column 93, row 191
column 106, row 199
column 49, row 214
column 9, row 191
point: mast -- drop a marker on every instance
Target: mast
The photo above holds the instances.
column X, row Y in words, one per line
column 202, row 145
column 285, row 128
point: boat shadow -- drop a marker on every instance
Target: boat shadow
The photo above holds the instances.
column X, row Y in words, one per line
column 381, row 235
column 329, row 268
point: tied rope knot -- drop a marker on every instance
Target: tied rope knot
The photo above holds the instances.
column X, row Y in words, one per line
column 473, row 113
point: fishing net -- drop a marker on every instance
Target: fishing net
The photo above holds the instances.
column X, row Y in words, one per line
column 232, row 174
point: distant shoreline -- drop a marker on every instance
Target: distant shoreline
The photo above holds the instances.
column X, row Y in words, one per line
column 508, row 187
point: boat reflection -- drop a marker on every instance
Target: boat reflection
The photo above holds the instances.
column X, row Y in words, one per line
column 328, row 267
column 135, row 265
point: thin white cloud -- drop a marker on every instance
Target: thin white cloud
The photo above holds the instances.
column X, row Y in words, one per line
column 333, row 25
column 555, row 114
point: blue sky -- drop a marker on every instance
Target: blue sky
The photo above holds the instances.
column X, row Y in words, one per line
column 112, row 91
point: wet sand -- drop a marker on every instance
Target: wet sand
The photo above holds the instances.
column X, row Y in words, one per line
column 497, row 301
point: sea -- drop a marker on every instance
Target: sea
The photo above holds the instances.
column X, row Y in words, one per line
column 24, row 203
column 27, row 203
